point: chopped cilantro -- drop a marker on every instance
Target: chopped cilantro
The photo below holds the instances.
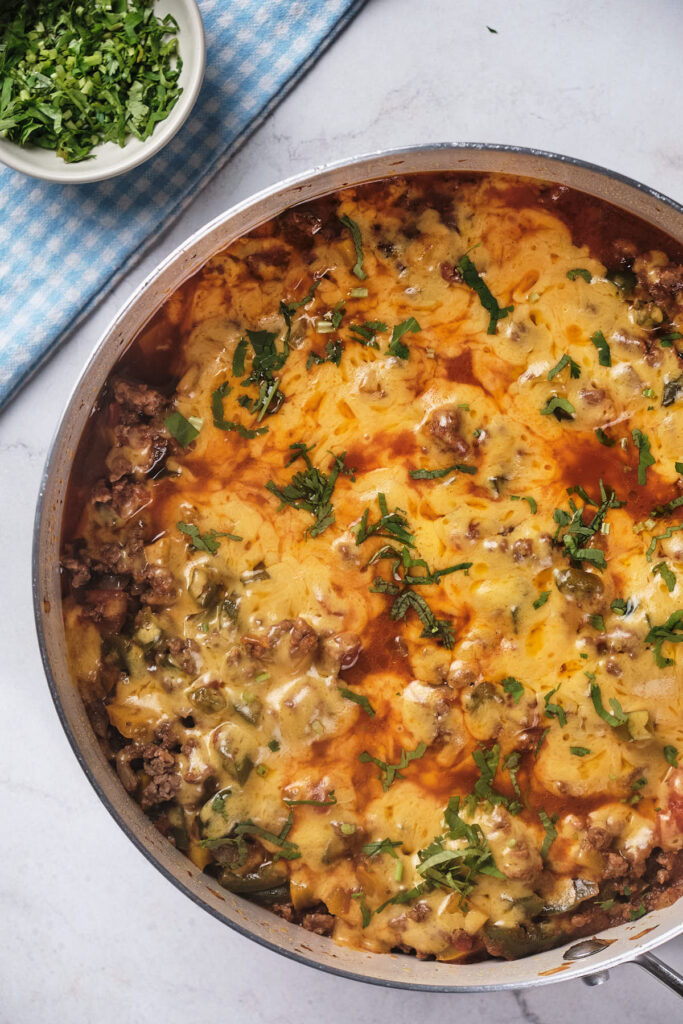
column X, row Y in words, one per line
column 390, row 524
column 615, row 720
column 310, row 490
column 183, row 430
column 548, row 822
column 365, row 333
column 358, row 698
column 580, row 751
column 221, row 423
column 669, row 577
column 604, row 354
column 541, row 599
column 669, row 632
column 390, row 772
column 604, row 438
column 333, row 354
column 366, row 913
column 274, row 745
column 553, row 710
column 396, row 346
column 473, row 280
column 645, row 457
column 514, row 688
column 560, row 408
column 204, row 541
column 580, row 272
column 525, row 497
column 357, row 238
column 436, row 474
column 670, row 755
column 597, row 622
column 574, row 368
column 77, row 75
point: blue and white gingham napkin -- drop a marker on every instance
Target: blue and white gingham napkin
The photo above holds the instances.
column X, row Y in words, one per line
column 62, row 247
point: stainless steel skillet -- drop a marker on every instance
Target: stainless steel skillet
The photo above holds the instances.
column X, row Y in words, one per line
column 590, row 958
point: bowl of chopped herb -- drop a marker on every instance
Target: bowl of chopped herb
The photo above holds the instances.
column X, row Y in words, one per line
column 89, row 91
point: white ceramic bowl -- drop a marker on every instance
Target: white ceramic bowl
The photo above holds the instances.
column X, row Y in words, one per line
column 110, row 159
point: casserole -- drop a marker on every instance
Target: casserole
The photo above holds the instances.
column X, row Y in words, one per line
column 217, row 236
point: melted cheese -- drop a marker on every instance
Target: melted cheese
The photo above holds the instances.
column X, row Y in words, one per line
column 380, row 411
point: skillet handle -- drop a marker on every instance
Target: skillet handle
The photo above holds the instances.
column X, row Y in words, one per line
column 661, row 971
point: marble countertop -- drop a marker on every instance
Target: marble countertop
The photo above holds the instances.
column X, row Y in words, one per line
column 89, row 931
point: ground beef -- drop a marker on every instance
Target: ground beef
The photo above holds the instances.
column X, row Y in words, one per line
column 446, row 425
column 321, row 924
column 339, row 652
column 522, row 549
column 660, row 280
column 138, row 398
column 160, row 587
column 106, row 608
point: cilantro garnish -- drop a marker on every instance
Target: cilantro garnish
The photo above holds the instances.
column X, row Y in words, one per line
column 183, row 430
column 525, row 497
column 597, row 622
column 287, row 850
column 577, row 533
column 358, row 698
column 287, row 309
column 574, row 368
column 548, row 822
column 221, row 423
column 621, row 607
column 365, row 333
column 670, row 755
column 669, row 632
column 396, row 346
column 78, row 75
column 473, row 280
column 487, row 761
column 580, row 272
column 311, row 489
column 333, row 354
column 204, row 541
column 390, row 772
column 437, row 474
column 560, row 408
column 238, row 357
column 541, row 599
column 639, row 912
column 514, row 688
column 604, row 438
column 615, row 720
column 357, row 238
column 390, row 524
column 456, row 869
column 274, row 745
column 604, row 354
column 669, row 577
column 553, row 710
column 645, row 457
column 580, row 751
column 388, row 846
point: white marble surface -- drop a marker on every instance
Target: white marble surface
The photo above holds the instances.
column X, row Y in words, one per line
column 89, row 931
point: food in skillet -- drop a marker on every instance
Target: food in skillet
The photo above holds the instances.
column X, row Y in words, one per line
column 374, row 566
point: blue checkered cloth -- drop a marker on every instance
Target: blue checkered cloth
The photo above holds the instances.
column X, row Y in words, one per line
column 63, row 247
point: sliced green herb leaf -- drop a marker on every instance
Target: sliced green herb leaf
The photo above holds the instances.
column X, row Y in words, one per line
column 669, row 577
column 574, row 368
column 548, row 822
column 357, row 238
column 396, row 346
column 473, row 280
column 514, row 688
column 437, row 474
column 669, row 632
column 541, row 599
column 204, row 541
column 645, row 457
column 615, row 720
column 580, row 272
column 560, row 408
column 358, row 698
column 580, row 751
column 311, row 489
column 670, row 755
column 390, row 772
column 604, row 354
column 603, row 438
column 183, row 430
column 525, row 497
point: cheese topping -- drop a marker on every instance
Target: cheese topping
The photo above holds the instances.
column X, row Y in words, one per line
column 377, row 599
